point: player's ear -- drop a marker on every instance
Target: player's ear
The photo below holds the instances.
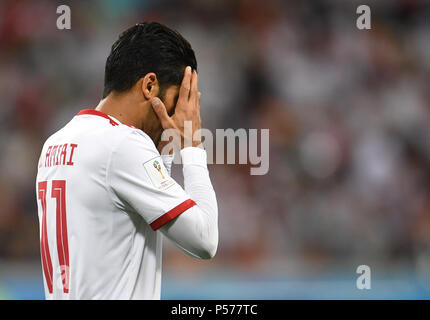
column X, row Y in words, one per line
column 150, row 86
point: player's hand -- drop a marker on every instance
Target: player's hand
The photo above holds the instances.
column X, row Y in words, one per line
column 187, row 109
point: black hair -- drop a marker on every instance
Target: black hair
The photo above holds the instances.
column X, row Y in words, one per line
column 147, row 47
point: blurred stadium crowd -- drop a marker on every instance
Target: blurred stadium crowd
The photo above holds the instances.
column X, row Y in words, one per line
column 348, row 113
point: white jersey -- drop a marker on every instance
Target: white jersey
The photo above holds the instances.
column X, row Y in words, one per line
column 102, row 191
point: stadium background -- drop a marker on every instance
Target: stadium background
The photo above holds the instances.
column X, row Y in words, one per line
column 348, row 113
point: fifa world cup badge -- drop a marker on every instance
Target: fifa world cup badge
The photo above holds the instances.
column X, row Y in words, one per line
column 158, row 174
column 158, row 167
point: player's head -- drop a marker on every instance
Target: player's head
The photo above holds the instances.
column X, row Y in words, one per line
column 149, row 51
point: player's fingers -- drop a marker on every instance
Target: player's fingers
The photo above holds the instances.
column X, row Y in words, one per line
column 161, row 112
column 199, row 94
column 184, row 90
column 194, row 84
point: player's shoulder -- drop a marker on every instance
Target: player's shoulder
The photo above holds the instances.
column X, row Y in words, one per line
column 108, row 127
column 122, row 138
column 135, row 139
column 54, row 137
column 134, row 148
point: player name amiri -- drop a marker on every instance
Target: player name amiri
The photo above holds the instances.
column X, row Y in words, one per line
column 58, row 155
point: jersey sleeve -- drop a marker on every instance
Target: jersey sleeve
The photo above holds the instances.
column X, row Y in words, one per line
column 168, row 160
column 139, row 182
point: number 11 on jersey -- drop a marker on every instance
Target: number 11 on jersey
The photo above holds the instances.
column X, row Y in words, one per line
column 59, row 193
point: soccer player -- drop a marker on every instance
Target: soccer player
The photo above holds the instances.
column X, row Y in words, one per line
column 105, row 195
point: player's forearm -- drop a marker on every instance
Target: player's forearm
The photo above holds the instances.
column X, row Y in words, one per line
column 189, row 232
column 198, row 185
column 195, row 231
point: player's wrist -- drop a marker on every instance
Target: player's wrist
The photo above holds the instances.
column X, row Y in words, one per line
column 194, row 156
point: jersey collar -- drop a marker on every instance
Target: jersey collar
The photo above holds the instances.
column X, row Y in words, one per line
column 94, row 112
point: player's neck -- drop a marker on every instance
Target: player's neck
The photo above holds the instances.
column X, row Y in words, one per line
column 131, row 110
column 123, row 108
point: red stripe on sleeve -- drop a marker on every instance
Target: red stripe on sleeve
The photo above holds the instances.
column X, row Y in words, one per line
column 172, row 214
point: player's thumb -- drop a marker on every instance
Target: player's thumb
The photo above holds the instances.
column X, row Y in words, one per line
column 161, row 112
